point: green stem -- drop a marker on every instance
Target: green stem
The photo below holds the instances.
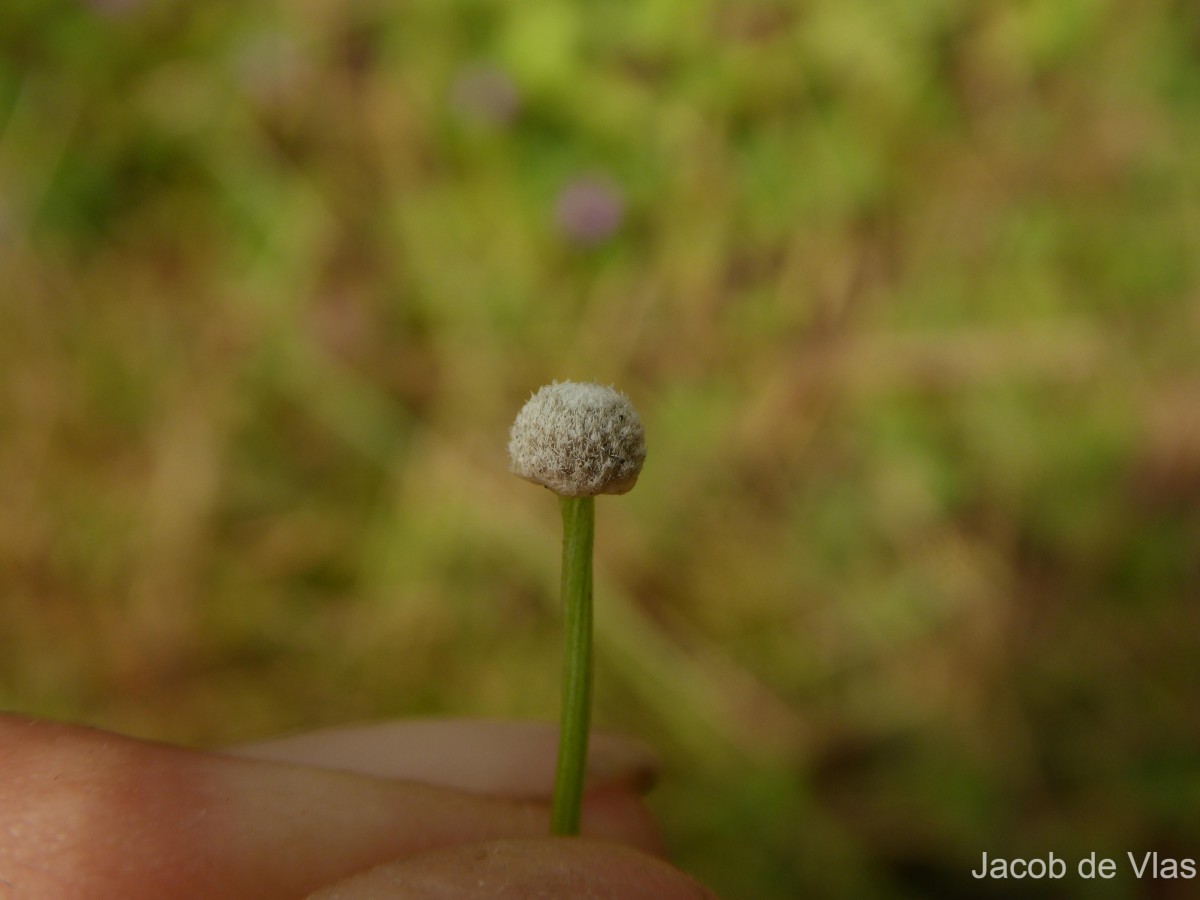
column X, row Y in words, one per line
column 579, row 520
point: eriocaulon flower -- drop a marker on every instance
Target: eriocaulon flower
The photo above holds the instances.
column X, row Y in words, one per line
column 578, row 440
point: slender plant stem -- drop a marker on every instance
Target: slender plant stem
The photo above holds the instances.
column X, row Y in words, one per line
column 579, row 520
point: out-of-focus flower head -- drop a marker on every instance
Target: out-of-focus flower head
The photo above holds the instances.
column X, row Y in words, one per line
column 589, row 209
column 113, row 7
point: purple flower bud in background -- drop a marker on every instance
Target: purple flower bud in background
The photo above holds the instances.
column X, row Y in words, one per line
column 113, row 7
column 485, row 95
column 589, row 209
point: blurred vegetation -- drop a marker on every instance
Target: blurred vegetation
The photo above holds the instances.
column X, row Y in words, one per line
column 908, row 295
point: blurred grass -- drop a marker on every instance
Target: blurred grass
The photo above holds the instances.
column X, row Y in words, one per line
column 908, row 295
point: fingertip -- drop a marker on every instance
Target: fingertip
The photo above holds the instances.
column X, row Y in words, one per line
column 522, row 868
column 617, row 814
column 93, row 814
column 514, row 759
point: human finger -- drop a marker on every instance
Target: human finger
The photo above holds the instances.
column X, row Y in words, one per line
column 486, row 756
column 519, row 869
column 90, row 814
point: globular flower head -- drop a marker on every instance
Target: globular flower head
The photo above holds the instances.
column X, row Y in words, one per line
column 578, row 440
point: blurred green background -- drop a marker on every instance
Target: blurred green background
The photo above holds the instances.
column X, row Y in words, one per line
column 907, row 294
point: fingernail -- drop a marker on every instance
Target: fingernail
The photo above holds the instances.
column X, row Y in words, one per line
column 622, row 762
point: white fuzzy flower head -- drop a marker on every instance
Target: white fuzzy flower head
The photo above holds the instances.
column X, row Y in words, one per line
column 578, row 440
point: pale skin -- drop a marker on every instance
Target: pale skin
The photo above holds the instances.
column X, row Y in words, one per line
column 423, row 809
